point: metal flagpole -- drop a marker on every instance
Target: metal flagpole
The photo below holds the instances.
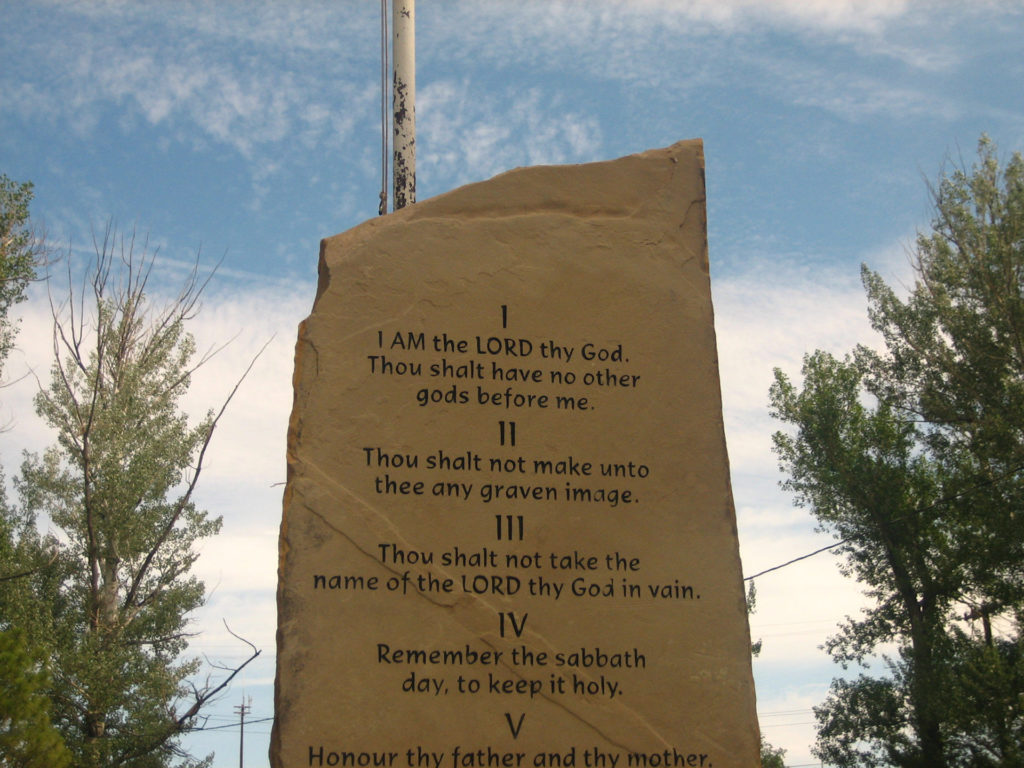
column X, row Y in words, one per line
column 403, row 30
column 385, row 70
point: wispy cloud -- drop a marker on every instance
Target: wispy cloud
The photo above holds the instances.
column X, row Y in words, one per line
column 857, row 97
column 635, row 40
column 468, row 138
column 240, row 77
column 269, row 76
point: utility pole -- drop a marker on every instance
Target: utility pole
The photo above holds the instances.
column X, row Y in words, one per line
column 242, row 709
column 403, row 30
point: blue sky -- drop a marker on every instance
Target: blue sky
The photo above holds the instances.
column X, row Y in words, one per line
column 251, row 130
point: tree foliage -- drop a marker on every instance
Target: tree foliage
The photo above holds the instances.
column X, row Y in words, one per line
column 912, row 458
column 19, row 253
column 111, row 610
column 955, row 360
column 772, row 757
column 27, row 736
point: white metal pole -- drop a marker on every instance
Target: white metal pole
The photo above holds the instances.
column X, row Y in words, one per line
column 403, row 30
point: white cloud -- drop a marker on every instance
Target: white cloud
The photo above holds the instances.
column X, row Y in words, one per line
column 858, row 97
column 262, row 76
column 239, row 77
column 770, row 319
column 466, row 137
column 573, row 21
column 787, row 720
column 820, row 14
column 608, row 38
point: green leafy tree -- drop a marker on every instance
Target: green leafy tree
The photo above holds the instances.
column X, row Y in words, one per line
column 27, row 737
column 859, row 470
column 19, row 253
column 112, row 613
column 954, row 360
column 772, row 757
column 912, row 458
column 987, row 711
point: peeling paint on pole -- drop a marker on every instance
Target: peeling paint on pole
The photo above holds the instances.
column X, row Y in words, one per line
column 404, row 91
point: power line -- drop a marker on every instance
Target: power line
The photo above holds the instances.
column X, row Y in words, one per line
column 796, row 560
column 229, row 725
column 913, row 511
column 785, row 725
column 794, row 713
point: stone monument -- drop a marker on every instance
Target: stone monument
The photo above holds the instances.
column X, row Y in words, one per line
column 508, row 536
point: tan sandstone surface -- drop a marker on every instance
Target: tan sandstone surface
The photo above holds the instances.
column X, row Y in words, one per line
column 508, row 535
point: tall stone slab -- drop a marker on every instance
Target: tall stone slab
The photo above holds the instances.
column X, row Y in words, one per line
column 508, row 536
